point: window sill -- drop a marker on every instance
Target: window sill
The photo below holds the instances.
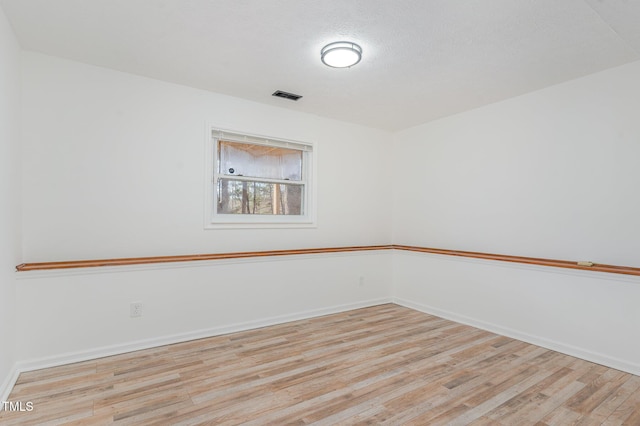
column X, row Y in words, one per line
column 264, row 225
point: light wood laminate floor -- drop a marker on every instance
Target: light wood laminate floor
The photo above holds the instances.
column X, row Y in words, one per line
column 381, row 365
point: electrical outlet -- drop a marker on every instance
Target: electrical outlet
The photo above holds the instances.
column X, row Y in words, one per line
column 135, row 309
column 361, row 281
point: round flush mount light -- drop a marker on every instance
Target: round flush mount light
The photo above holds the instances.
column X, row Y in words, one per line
column 341, row 54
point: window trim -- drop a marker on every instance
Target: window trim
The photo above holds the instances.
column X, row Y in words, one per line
column 214, row 220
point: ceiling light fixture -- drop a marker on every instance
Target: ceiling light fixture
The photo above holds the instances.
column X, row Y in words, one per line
column 341, row 54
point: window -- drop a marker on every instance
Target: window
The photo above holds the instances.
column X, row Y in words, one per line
column 258, row 182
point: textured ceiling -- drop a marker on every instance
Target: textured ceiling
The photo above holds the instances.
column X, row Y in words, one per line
column 422, row 59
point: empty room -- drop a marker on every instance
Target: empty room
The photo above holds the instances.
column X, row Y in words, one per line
column 320, row 212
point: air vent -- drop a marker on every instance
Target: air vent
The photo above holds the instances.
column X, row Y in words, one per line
column 286, row 95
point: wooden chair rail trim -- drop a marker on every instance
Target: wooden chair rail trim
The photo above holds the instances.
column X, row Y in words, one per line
column 43, row 266
column 187, row 258
column 626, row 270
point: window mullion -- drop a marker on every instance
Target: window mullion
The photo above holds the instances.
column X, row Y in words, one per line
column 259, row 179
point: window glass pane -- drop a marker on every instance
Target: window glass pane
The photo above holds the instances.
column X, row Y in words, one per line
column 241, row 197
column 242, row 159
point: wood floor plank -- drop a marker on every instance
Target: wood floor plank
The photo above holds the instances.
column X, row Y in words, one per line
column 628, row 412
column 383, row 365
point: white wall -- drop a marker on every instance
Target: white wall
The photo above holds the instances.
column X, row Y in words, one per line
column 9, row 196
column 86, row 312
column 551, row 174
column 114, row 167
column 590, row 315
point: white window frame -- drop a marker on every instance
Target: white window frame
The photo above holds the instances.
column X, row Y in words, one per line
column 215, row 220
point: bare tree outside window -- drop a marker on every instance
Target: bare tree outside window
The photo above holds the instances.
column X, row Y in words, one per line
column 259, row 179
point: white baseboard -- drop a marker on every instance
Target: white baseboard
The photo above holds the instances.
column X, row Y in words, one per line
column 9, row 383
column 598, row 358
column 79, row 356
